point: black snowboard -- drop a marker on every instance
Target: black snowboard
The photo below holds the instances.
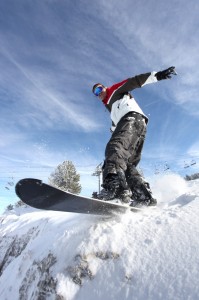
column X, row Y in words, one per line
column 43, row 196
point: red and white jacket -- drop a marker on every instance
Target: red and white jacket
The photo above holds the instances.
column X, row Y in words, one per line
column 119, row 101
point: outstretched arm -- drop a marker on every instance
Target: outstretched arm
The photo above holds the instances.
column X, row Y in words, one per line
column 147, row 78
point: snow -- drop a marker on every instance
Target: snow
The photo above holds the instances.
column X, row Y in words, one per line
column 152, row 254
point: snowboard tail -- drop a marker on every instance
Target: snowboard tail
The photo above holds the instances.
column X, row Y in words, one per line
column 43, row 196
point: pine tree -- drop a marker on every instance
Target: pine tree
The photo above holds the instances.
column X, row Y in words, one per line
column 66, row 178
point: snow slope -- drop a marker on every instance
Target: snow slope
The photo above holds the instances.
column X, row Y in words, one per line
column 149, row 255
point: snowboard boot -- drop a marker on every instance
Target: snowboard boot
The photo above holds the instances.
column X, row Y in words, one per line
column 124, row 195
column 142, row 196
column 123, row 192
column 116, row 187
column 141, row 203
column 111, row 186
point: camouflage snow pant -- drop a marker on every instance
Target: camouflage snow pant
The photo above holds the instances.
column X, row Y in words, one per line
column 123, row 152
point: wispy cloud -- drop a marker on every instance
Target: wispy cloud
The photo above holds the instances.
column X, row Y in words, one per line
column 193, row 150
column 43, row 105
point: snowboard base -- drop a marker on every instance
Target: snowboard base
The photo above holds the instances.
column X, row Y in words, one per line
column 40, row 195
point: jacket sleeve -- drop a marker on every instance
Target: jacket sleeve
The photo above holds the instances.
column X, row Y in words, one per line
column 138, row 81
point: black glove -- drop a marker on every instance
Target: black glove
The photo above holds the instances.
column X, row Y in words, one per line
column 166, row 74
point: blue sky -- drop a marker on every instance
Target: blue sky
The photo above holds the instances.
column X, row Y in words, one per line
column 51, row 54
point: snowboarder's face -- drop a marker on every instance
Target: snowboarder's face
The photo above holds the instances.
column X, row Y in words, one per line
column 102, row 95
column 100, row 91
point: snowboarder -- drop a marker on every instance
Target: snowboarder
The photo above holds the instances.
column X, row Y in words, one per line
column 121, row 179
